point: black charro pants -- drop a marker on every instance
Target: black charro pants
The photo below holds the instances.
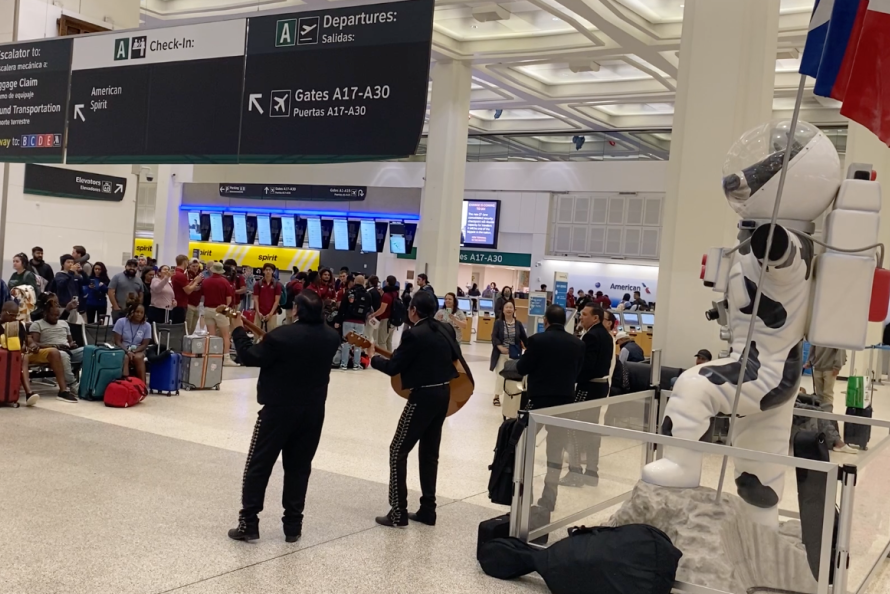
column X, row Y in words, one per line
column 294, row 433
column 421, row 421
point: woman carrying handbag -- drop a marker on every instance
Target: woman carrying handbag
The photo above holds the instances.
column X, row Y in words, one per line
column 508, row 339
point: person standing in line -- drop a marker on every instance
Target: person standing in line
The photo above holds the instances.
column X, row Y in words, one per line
column 266, row 296
column 425, row 359
column 148, row 275
column 195, row 294
column 423, row 284
column 41, row 267
column 384, row 314
column 451, row 314
column 340, row 283
column 570, row 298
column 218, row 291
column 592, row 384
column 292, row 414
column 67, row 281
column 490, row 291
column 82, row 259
column 179, row 281
column 23, row 274
column 508, row 333
column 506, row 296
column 97, row 294
column 124, row 284
column 552, row 362
column 826, row 364
column 354, row 310
column 163, row 297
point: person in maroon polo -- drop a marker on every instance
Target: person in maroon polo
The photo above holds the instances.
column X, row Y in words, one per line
column 266, row 297
column 218, row 291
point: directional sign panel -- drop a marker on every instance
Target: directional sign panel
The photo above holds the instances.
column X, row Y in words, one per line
column 294, row 192
column 337, row 84
column 169, row 95
column 33, row 100
column 68, row 183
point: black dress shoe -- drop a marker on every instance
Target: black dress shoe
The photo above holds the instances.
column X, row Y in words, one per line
column 389, row 522
column 245, row 532
column 292, row 537
column 423, row 518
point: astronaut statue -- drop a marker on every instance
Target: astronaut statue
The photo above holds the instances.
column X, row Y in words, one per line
column 772, row 379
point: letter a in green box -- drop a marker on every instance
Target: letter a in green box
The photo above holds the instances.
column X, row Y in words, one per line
column 122, row 49
column 286, row 33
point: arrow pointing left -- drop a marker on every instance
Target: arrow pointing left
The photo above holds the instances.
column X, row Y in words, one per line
column 78, row 112
column 119, row 189
column 254, row 102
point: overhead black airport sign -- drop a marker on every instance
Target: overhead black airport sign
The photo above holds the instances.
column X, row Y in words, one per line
column 34, row 80
column 336, row 83
column 68, row 183
column 168, row 95
column 293, row 192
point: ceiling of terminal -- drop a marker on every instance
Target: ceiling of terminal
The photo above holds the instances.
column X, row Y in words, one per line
column 559, row 65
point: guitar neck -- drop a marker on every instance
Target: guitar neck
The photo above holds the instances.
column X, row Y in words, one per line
column 257, row 331
column 382, row 352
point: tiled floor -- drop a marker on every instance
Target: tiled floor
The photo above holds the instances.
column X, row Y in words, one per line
column 100, row 500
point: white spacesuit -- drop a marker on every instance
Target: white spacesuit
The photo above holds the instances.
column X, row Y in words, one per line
column 773, row 374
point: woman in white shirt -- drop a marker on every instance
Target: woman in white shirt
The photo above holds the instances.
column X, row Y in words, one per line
column 162, row 300
column 451, row 314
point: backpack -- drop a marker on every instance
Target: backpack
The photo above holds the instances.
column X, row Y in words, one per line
column 500, row 485
column 126, row 392
column 359, row 304
column 282, row 301
column 399, row 313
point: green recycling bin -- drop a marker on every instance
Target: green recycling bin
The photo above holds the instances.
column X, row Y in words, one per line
column 856, row 392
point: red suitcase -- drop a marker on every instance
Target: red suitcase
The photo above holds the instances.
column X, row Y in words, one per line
column 10, row 377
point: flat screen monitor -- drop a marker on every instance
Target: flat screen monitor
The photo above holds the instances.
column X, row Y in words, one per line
column 205, row 227
column 228, row 225
column 441, row 302
column 352, row 232
column 341, row 235
column 264, row 230
column 288, row 232
column 275, row 227
column 369, row 236
column 314, row 227
column 251, row 228
column 216, row 227
column 647, row 319
column 194, row 225
column 464, row 305
column 327, row 229
column 300, row 231
column 631, row 319
column 486, row 304
column 240, row 228
column 410, row 234
column 479, row 223
column 397, row 238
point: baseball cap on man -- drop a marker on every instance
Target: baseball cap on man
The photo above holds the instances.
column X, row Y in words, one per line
column 704, row 354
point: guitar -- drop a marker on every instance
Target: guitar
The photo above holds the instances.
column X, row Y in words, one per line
column 461, row 386
column 232, row 314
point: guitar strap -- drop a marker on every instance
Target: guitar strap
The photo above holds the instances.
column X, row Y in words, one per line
column 455, row 349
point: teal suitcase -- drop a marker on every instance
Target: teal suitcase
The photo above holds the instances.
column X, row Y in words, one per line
column 101, row 366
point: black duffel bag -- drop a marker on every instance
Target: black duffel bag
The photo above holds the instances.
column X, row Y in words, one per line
column 632, row 559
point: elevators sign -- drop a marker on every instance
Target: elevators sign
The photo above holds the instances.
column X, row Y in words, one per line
column 168, row 95
column 68, row 183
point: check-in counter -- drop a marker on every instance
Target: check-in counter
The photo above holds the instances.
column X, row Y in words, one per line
column 484, row 326
column 522, row 312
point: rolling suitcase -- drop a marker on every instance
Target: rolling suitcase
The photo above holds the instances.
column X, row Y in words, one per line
column 855, row 434
column 101, row 366
column 202, row 363
column 11, row 377
column 165, row 366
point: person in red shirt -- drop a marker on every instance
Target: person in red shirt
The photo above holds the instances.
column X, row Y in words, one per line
column 293, row 288
column 239, row 283
column 218, row 291
column 193, row 290
column 180, row 281
column 266, row 296
column 570, row 298
column 383, row 334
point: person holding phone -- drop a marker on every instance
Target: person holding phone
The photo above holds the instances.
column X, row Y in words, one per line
column 96, row 293
column 163, row 297
column 451, row 314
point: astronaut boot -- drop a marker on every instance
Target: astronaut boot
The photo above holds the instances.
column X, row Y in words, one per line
column 679, row 468
column 768, row 516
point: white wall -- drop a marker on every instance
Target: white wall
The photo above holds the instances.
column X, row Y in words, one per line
column 38, row 18
column 586, row 275
column 57, row 224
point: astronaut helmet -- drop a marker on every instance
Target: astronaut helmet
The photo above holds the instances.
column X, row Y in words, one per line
column 752, row 167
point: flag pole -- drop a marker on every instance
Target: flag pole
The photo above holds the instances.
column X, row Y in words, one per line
column 769, row 243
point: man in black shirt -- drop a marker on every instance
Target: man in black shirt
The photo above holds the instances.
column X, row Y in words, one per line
column 295, row 368
column 425, row 359
column 593, row 384
column 552, row 363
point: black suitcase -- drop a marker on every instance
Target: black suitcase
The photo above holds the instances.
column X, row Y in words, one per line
column 811, row 445
column 855, row 434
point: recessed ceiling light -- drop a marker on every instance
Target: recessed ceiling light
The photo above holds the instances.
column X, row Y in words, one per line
column 682, row 6
column 475, row 26
column 556, row 18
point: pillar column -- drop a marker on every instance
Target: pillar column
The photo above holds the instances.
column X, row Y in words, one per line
column 438, row 250
column 171, row 234
column 864, row 147
column 724, row 87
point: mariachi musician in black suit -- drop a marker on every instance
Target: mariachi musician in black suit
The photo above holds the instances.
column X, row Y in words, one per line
column 425, row 359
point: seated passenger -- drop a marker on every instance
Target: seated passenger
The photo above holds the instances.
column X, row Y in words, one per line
column 133, row 334
column 52, row 333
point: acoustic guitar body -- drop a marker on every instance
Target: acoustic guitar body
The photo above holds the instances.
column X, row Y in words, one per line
column 461, row 389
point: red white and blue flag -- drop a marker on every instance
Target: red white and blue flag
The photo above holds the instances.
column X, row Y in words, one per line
column 848, row 53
